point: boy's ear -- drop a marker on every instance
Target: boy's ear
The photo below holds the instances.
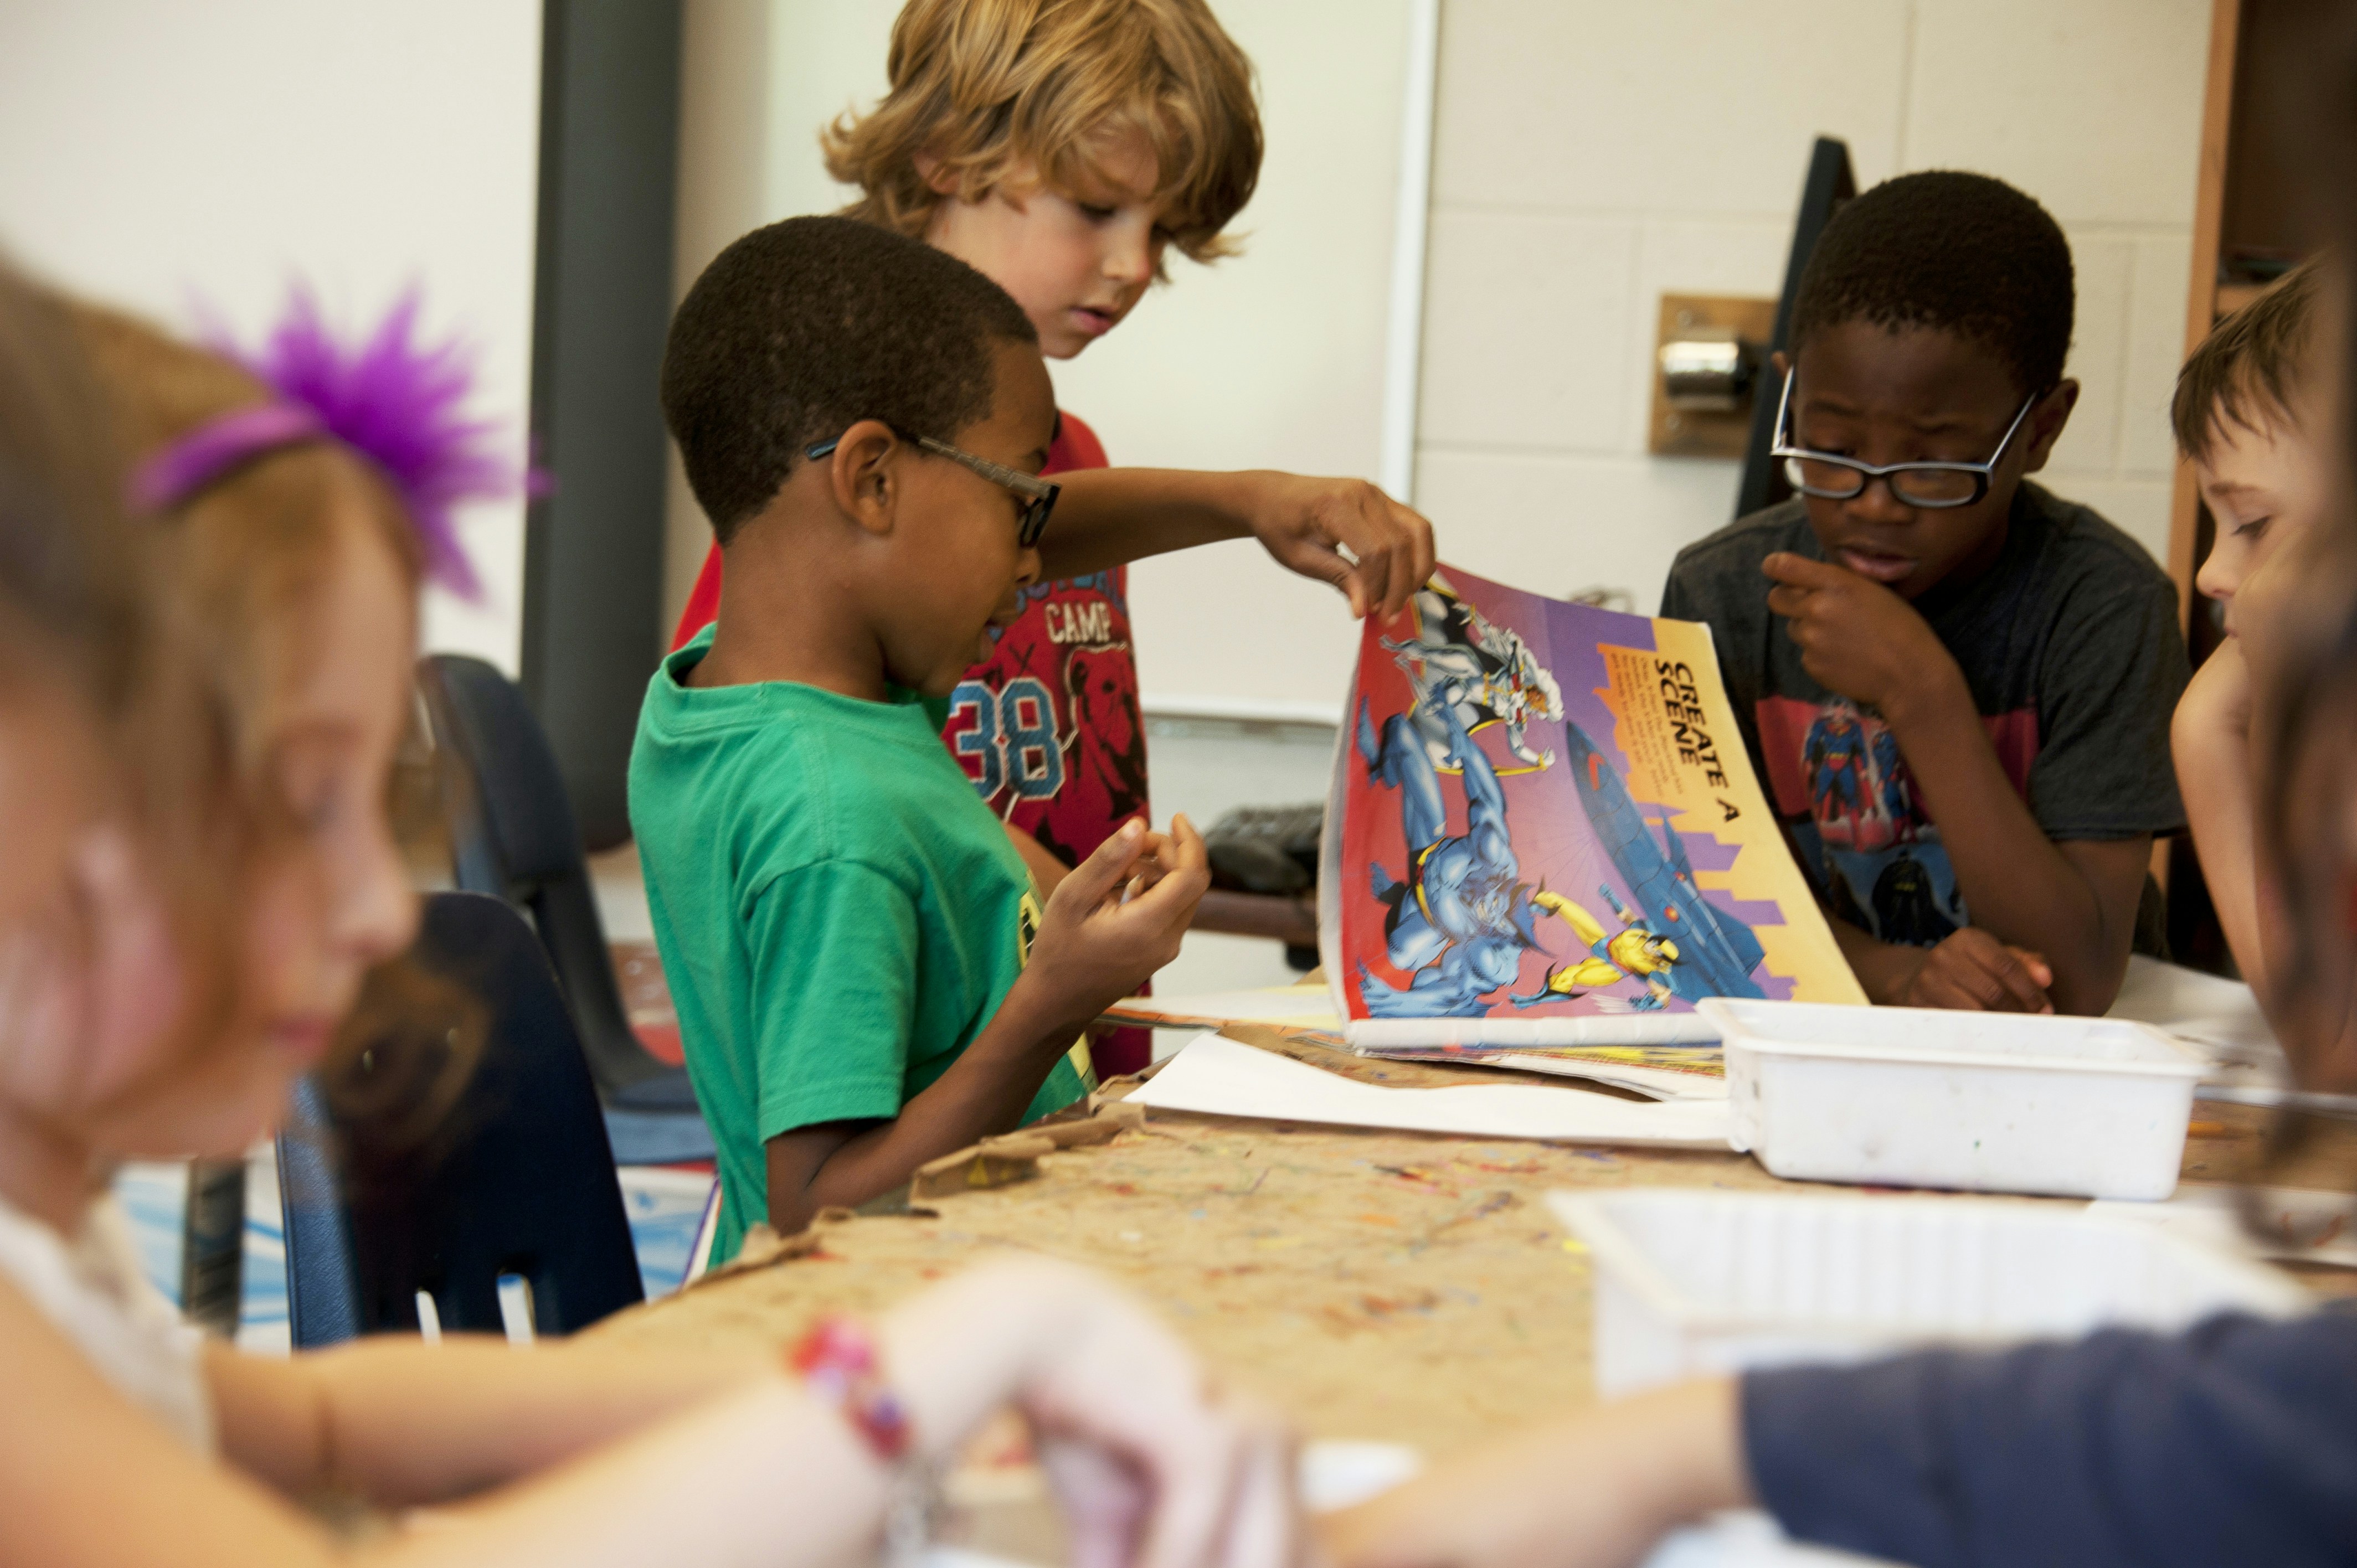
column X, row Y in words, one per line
column 2046, row 423
column 862, row 476
column 938, row 176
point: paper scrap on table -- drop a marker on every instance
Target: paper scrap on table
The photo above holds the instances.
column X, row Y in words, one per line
column 1606, row 1065
column 2219, row 1017
column 1215, row 1077
column 1303, row 1006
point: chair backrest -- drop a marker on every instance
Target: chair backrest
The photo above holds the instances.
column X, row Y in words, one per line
column 518, row 1179
column 514, row 837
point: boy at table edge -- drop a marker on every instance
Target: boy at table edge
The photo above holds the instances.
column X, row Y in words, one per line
column 1955, row 684
column 865, row 977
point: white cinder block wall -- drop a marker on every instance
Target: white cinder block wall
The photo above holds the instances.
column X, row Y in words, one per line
column 163, row 156
column 1591, row 156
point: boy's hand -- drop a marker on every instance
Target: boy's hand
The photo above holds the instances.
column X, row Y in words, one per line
column 1973, row 972
column 1308, row 523
column 1856, row 637
column 1119, row 916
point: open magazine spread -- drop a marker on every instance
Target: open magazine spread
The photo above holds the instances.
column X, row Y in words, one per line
column 1544, row 831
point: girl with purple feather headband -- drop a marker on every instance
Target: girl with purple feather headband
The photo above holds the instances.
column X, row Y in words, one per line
column 392, row 400
column 288, row 512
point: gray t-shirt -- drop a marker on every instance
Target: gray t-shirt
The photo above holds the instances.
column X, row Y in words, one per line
column 2070, row 645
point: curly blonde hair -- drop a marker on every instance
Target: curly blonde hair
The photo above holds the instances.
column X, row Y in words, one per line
column 984, row 86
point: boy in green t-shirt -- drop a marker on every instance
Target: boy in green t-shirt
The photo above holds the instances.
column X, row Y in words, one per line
column 864, row 976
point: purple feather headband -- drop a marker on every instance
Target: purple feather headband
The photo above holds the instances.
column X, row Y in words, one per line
column 391, row 399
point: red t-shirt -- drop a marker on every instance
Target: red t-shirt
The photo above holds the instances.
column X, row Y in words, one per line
column 1048, row 726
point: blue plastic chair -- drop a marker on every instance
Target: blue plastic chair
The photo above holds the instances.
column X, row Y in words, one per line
column 512, row 836
column 517, row 1180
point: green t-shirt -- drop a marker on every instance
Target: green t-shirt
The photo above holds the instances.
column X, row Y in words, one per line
column 838, row 913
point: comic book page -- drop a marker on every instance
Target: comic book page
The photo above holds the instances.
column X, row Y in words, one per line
column 1544, row 831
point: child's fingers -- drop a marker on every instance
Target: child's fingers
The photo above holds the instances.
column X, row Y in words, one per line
column 1420, row 556
column 1186, row 845
column 1943, row 989
column 2001, row 980
column 1800, row 572
column 1266, row 1527
column 1171, row 900
column 2023, row 991
column 1406, row 556
column 1094, row 879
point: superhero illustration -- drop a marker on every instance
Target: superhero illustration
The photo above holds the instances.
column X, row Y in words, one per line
column 1529, row 795
column 1859, row 794
column 1835, row 760
column 1897, row 792
column 1691, row 948
column 1460, row 660
column 1907, row 904
column 1635, row 951
column 1460, row 921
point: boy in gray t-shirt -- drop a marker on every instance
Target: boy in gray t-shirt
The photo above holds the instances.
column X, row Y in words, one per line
column 1956, row 685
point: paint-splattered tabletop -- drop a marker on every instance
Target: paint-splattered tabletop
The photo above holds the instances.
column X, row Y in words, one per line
column 1402, row 1287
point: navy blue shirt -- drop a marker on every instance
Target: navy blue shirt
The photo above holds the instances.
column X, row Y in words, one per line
column 2234, row 1442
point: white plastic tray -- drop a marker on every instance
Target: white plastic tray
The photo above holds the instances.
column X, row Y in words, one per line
column 1983, row 1101
column 1690, row 1282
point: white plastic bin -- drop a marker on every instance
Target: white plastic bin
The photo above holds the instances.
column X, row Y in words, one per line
column 1690, row 1281
column 1983, row 1101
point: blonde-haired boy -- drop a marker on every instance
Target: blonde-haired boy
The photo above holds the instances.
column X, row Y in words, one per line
column 967, row 115
column 2244, row 415
column 1060, row 147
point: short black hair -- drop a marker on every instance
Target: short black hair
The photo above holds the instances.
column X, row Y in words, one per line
column 1959, row 253
column 800, row 329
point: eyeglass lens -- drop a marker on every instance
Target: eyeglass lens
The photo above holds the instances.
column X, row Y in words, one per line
column 1034, row 520
column 1922, row 487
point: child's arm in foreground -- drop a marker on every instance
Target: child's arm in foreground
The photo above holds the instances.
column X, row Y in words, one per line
column 2231, row 1442
column 1108, row 516
column 1595, row 1490
column 761, row 1473
column 2210, row 739
column 1095, row 948
column 2073, row 904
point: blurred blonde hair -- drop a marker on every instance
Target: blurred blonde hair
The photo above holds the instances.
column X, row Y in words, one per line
column 984, row 86
column 240, row 565
column 73, row 581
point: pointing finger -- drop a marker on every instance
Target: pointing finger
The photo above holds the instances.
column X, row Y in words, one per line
column 1800, row 572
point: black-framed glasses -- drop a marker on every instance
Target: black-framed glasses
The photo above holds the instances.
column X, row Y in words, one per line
column 1038, row 495
column 1917, row 484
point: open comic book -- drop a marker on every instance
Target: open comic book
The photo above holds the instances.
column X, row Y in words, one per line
column 1544, row 832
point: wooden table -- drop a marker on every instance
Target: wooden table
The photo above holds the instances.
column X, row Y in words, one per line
column 1395, row 1286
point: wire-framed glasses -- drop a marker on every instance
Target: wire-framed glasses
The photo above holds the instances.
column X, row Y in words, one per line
column 1916, row 484
column 1038, row 495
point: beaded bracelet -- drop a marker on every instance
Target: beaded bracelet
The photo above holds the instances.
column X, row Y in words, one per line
column 837, row 1360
